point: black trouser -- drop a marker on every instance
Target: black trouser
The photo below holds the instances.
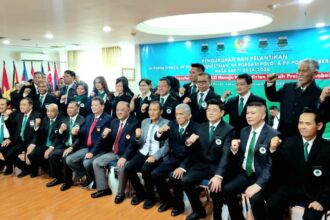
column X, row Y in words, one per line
column 138, row 164
column 13, row 159
column 4, row 152
column 55, row 163
column 284, row 197
column 67, row 173
column 37, row 159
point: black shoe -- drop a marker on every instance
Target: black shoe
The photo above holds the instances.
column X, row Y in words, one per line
column 33, row 175
column 8, row 172
column 176, row 211
column 119, row 199
column 148, row 204
column 136, row 200
column 54, row 182
column 196, row 215
column 101, row 193
column 23, row 173
column 66, row 186
column 164, row 206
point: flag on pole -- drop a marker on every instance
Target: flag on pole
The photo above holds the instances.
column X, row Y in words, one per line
column 42, row 69
column 32, row 69
column 56, row 78
column 5, row 83
column 25, row 76
column 15, row 77
column 50, row 78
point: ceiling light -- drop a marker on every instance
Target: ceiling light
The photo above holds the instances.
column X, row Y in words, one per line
column 49, row 36
column 107, row 29
column 188, row 43
column 234, row 33
column 305, row 1
column 324, row 37
column 6, row 42
column 204, row 23
column 320, row 25
column 170, row 39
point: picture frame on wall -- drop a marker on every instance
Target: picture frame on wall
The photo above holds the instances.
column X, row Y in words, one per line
column 129, row 73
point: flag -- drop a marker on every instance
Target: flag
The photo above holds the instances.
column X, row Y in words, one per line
column 50, row 78
column 15, row 77
column 42, row 69
column 32, row 69
column 56, row 78
column 5, row 83
column 25, row 76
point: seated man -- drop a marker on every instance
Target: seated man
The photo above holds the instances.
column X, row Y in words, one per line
column 305, row 166
column 118, row 137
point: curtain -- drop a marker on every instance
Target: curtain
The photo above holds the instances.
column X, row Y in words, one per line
column 74, row 59
column 111, row 63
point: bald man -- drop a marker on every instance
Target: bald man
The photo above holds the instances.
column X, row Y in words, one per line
column 40, row 153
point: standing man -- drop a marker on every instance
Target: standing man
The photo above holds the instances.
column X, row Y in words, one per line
column 191, row 87
column 30, row 88
column 275, row 116
column 43, row 99
column 293, row 97
column 68, row 92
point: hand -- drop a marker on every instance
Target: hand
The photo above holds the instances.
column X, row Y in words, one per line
column 178, row 173
column 56, row 93
column 5, row 143
column 192, row 139
column 7, row 113
column 27, row 90
column 316, row 206
column 164, row 128
column 92, row 94
column 182, row 90
column 271, row 78
column 225, row 95
column 116, row 94
column 106, row 132
column 121, row 162
column 138, row 132
column 27, row 83
column 151, row 159
column 47, row 152
column 63, row 127
column 215, row 184
column 251, row 190
column 144, row 107
column 274, row 143
column 324, row 94
column 235, row 145
column 67, row 151
column 75, row 130
column 89, row 155
column 186, row 100
column 30, row 148
column 135, row 96
column 63, row 97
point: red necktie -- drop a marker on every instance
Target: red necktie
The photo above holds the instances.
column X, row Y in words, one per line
column 89, row 139
column 115, row 145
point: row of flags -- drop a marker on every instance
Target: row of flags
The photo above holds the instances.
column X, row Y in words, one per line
column 52, row 77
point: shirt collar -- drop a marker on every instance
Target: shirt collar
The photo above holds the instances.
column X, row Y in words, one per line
column 204, row 93
column 28, row 114
column 246, row 96
column 165, row 97
column 74, row 118
column 310, row 142
column 215, row 124
column 258, row 130
column 185, row 126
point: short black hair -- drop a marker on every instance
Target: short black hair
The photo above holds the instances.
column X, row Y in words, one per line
column 217, row 102
column 247, row 77
column 84, row 85
column 71, row 73
column 38, row 73
column 99, row 99
column 155, row 102
column 7, row 100
column 74, row 103
column 199, row 66
column 147, row 81
column 309, row 110
column 205, row 74
column 273, row 107
column 166, row 80
column 29, row 100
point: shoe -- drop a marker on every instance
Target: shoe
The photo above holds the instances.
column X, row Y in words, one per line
column 33, row 175
column 176, row 211
column 136, row 200
column 119, row 199
column 66, row 186
column 101, row 193
column 54, row 182
column 164, row 206
column 196, row 215
column 148, row 204
column 8, row 172
column 85, row 183
column 23, row 173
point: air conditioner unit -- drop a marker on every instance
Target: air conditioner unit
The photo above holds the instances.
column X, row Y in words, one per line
column 33, row 56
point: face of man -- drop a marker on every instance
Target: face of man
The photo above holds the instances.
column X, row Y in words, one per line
column 242, row 87
column 305, row 74
column 42, row 88
column 61, row 83
column 97, row 108
column 52, row 111
column 154, row 112
column 273, row 112
column 3, row 105
column 203, row 83
column 72, row 109
column 37, row 78
column 68, row 79
column 181, row 116
column 24, row 106
column 193, row 73
column 122, row 110
column 255, row 115
column 214, row 113
column 163, row 88
column 307, row 126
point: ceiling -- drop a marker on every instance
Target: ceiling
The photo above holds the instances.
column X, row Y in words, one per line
column 78, row 24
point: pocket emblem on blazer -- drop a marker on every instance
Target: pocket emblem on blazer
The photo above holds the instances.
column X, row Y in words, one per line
column 218, row 141
column 82, row 105
column 262, row 150
column 128, row 136
column 317, row 172
column 46, row 106
column 31, row 123
column 204, row 105
column 169, row 111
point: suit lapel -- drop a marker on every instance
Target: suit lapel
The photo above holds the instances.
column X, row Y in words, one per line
column 314, row 151
column 244, row 139
column 262, row 137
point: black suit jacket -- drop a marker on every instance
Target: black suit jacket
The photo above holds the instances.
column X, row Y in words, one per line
column 14, row 100
column 32, row 95
column 236, row 120
column 212, row 155
column 42, row 132
column 311, row 177
column 199, row 114
column 71, row 97
column 42, row 109
column 325, row 109
column 137, row 110
column 292, row 102
column 262, row 158
column 187, row 92
column 11, row 127
column 169, row 107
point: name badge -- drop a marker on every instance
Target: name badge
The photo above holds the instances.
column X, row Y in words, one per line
column 82, row 105
column 204, row 105
column 169, row 111
column 31, row 123
column 317, row 172
column 128, row 136
column 46, row 106
column 218, row 141
column 262, row 150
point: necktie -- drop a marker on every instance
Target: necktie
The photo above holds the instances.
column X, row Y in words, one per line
column 200, row 101
column 151, row 137
column 2, row 121
column 162, row 101
column 89, row 139
column 141, row 101
column 306, row 150
column 193, row 89
column 68, row 142
column 250, row 156
column 181, row 131
column 211, row 132
column 41, row 100
column 48, row 142
column 23, row 127
column 241, row 106
column 115, row 145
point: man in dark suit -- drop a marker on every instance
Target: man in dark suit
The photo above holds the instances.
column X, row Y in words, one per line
column 305, row 166
column 43, row 99
column 274, row 118
column 236, row 106
column 25, row 137
column 293, row 97
column 118, row 138
column 68, row 92
column 30, row 88
column 253, row 167
column 14, row 97
column 198, row 100
column 191, row 87
column 45, row 141
column 209, row 158
column 66, row 141
column 176, row 132
column 324, row 107
column 81, row 161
